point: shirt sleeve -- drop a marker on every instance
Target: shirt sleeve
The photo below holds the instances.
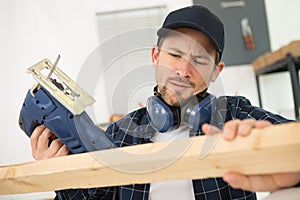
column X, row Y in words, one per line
column 241, row 108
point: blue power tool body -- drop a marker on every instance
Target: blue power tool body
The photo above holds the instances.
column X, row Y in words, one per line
column 60, row 107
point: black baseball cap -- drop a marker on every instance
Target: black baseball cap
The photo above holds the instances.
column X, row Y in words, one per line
column 199, row 18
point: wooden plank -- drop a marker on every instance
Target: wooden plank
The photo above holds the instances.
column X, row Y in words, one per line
column 271, row 150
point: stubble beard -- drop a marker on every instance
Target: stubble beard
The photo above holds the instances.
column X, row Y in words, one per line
column 170, row 97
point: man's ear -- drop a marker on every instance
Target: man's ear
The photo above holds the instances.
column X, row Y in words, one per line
column 154, row 55
column 217, row 71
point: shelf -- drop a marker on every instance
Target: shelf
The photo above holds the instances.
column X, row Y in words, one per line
column 291, row 64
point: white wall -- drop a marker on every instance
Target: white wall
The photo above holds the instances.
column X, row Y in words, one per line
column 32, row 30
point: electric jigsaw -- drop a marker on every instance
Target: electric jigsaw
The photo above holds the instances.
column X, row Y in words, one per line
column 59, row 104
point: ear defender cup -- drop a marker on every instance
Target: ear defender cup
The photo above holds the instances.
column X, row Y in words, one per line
column 202, row 113
column 165, row 118
column 162, row 117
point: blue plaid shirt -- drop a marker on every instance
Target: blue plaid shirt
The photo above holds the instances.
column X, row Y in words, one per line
column 135, row 129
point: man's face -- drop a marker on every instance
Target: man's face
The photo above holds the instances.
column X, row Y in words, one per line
column 185, row 65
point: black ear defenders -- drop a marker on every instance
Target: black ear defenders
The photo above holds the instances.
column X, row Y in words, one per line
column 194, row 113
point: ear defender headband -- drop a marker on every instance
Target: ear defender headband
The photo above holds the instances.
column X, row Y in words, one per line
column 164, row 118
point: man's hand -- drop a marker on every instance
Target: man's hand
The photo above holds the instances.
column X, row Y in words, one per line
column 271, row 182
column 40, row 144
column 255, row 183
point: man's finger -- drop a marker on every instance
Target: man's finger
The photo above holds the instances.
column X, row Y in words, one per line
column 252, row 183
column 236, row 180
column 43, row 140
column 210, row 129
column 262, row 124
column 245, row 127
column 63, row 151
column 54, row 148
column 230, row 129
column 34, row 138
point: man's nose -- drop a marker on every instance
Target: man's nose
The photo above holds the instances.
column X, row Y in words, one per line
column 182, row 67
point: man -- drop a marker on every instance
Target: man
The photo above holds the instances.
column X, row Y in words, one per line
column 186, row 58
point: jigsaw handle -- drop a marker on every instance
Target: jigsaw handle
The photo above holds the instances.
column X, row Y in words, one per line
column 91, row 136
column 77, row 132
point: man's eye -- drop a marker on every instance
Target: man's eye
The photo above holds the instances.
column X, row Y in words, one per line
column 175, row 55
column 202, row 62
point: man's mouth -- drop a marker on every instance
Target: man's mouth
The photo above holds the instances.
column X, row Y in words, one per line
column 180, row 84
column 175, row 90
